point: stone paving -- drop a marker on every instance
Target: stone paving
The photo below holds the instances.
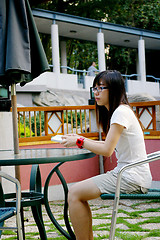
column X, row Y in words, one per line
column 136, row 220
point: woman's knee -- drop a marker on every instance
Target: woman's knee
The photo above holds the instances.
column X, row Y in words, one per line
column 73, row 194
column 83, row 191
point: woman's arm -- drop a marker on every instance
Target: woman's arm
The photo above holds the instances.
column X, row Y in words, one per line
column 104, row 148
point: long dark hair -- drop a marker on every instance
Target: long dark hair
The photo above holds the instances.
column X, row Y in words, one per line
column 117, row 95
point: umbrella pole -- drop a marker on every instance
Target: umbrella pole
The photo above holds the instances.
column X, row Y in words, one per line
column 15, row 126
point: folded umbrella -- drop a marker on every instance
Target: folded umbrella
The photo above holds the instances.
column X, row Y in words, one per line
column 22, row 57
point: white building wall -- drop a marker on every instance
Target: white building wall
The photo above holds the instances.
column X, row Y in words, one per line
column 137, row 87
column 6, row 143
column 57, row 81
column 88, row 82
column 70, row 82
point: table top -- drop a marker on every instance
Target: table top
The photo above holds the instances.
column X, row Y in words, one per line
column 43, row 155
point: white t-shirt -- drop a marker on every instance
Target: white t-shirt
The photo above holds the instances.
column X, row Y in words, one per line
column 131, row 147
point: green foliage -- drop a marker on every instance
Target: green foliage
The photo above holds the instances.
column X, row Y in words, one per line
column 32, row 125
column 27, row 125
column 27, row 131
column 125, row 59
column 46, row 41
column 127, row 236
column 137, row 13
column 38, row 123
column 74, row 118
column 80, row 54
column 95, row 9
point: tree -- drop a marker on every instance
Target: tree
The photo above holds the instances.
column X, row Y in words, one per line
column 137, row 13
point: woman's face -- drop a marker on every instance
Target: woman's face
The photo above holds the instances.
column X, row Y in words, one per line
column 102, row 95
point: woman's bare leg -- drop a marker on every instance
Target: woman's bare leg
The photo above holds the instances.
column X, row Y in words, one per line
column 79, row 210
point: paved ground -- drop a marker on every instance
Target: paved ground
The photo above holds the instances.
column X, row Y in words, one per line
column 136, row 220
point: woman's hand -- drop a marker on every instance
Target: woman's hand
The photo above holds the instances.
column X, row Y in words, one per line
column 69, row 140
column 104, row 148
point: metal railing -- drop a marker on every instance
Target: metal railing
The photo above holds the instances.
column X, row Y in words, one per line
column 73, row 70
column 127, row 77
column 156, row 79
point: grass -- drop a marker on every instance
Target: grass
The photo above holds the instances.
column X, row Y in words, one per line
column 130, row 221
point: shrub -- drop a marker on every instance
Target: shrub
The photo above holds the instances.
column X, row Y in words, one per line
column 27, row 131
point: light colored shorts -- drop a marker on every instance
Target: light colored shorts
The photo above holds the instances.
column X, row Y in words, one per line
column 107, row 184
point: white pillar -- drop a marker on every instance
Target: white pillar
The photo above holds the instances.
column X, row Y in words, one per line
column 101, row 51
column 141, row 59
column 137, row 68
column 63, row 56
column 55, row 48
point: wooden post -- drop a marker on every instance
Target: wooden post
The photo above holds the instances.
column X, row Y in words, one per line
column 15, row 127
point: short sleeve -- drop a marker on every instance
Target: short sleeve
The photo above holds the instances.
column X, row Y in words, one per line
column 121, row 116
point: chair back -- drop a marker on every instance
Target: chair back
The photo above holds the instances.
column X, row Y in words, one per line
column 2, row 202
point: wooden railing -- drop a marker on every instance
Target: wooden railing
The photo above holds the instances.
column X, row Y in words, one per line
column 40, row 123
column 148, row 114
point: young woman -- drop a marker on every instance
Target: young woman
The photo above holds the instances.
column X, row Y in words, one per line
column 124, row 136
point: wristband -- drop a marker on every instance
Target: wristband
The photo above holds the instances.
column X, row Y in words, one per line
column 80, row 142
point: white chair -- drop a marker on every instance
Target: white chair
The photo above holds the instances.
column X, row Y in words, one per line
column 152, row 193
column 8, row 212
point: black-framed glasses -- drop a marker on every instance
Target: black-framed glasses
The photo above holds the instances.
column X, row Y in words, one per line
column 98, row 89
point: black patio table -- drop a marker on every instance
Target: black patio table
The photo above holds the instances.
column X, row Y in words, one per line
column 35, row 198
